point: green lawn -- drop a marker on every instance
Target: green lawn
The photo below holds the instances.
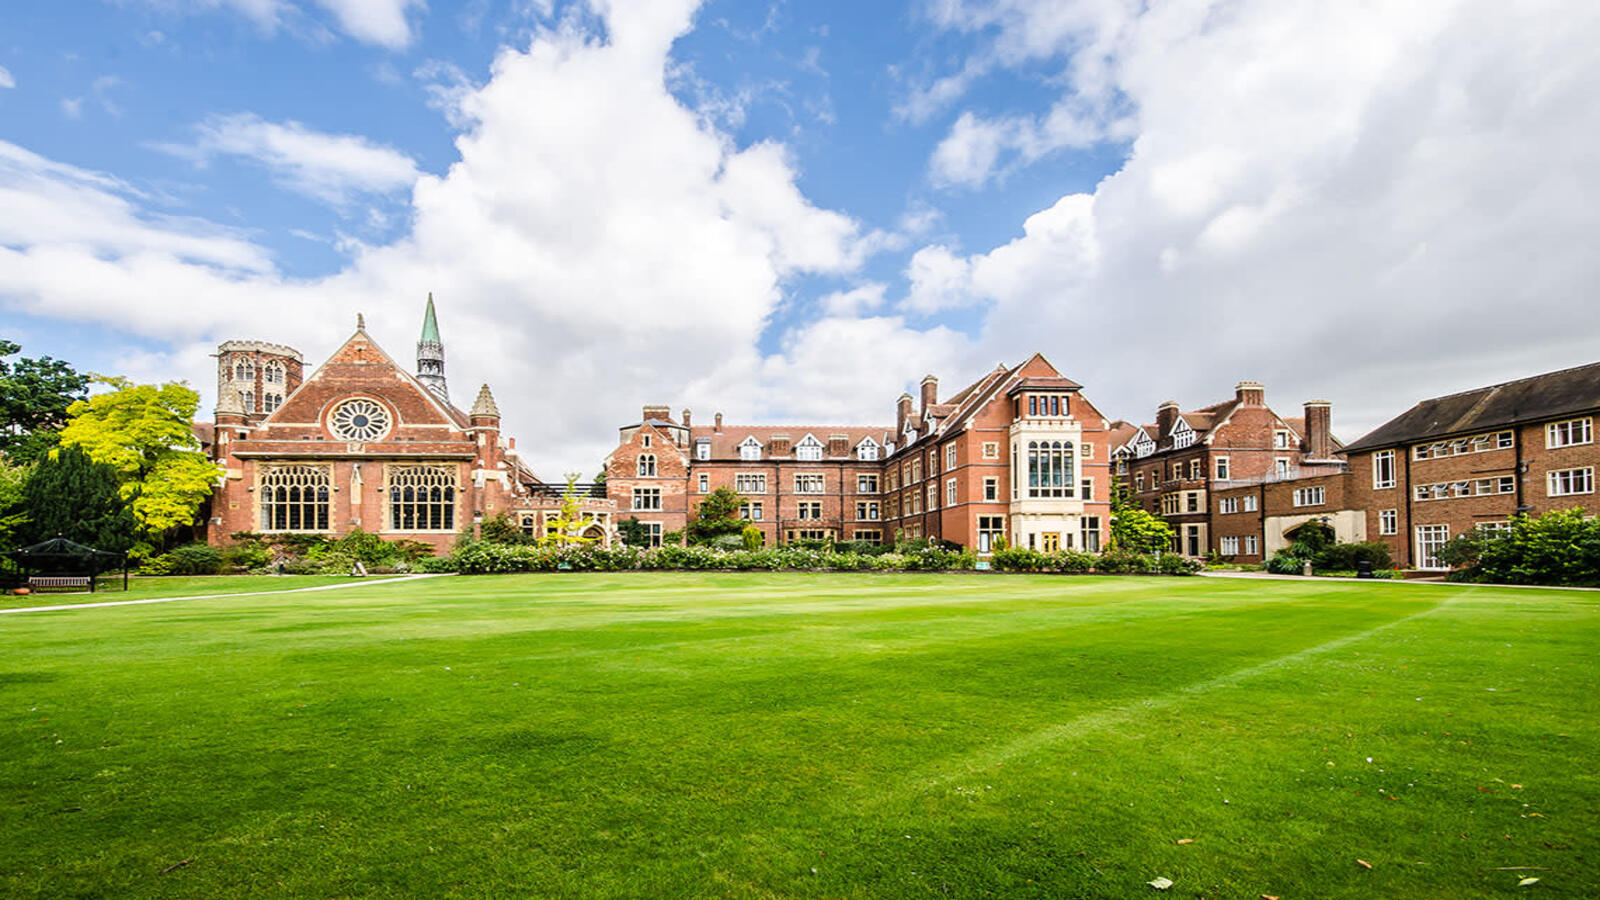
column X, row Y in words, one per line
column 777, row 735
column 109, row 588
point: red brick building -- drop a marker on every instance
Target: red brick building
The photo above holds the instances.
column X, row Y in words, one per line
column 362, row 443
column 1476, row 458
column 1176, row 465
column 1019, row 453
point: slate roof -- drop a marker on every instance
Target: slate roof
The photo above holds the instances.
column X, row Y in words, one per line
column 1547, row 396
column 725, row 444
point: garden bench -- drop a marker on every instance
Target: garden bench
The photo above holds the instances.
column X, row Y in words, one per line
column 45, row 582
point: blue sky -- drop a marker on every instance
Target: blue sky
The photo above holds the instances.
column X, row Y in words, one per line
column 790, row 211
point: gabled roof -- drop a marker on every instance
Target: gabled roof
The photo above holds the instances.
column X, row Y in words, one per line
column 1548, row 396
column 725, row 444
column 351, row 351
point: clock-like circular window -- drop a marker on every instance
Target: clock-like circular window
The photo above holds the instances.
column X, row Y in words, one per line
column 359, row 420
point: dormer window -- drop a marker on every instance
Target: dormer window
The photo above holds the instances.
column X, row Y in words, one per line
column 702, row 449
column 1182, row 434
column 867, row 449
column 808, row 450
column 750, row 449
column 1144, row 446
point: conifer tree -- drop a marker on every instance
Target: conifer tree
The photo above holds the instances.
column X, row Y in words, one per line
column 73, row 496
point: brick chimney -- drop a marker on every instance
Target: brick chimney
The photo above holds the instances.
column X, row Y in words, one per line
column 717, row 423
column 686, row 418
column 780, row 445
column 930, row 393
column 838, row 445
column 664, row 413
column 1166, row 417
column 902, row 413
column 1319, row 429
column 1250, row 393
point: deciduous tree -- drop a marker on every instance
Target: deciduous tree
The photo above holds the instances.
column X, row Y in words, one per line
column 144, row 432
column 34, row 396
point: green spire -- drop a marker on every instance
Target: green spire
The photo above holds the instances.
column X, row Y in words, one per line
column 430, row 326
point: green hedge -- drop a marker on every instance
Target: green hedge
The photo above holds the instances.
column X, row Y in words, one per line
column 481, row 557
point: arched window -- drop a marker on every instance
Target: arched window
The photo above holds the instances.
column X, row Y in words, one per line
column 1050, row 469
column 273, row 373
column 294, row 498
column 422, row 498
column 244, row 370
column 647, row 465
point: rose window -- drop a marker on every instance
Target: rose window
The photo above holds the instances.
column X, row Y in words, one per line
column 359, row 420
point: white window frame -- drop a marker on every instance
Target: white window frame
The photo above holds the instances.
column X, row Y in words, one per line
column 1251, row 545
column 742, row 482
column 809, row 449
column 750, row 449
column 810, row 483
column 705, row 483
column 1221, row 468
column 1577, row 481
column 1311, row 496
column 1381, row 480
column 949, row 457
column 1230, row 545
column 867, row 449
column 950, row 492
column 991, row 490
column 1569, row 433
column 1249, row 502
column 702, row 449
column 1388, row 521
column 1227, row 505
column 1436, row 537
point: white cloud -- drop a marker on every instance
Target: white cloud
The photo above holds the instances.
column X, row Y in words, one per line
column 381, row 22
column 6, row 79
column 597, row 245
column 333, row 168
column 854, row 301
column 1370, row 201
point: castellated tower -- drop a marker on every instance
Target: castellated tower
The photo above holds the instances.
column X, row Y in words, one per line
column 262, row 375
column 430, row 354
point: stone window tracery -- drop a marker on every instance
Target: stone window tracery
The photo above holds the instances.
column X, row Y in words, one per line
column 295, row 498
column 359, row 419
column 422, row 498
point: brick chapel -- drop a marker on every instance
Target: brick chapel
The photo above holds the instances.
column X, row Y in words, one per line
column 363, row 443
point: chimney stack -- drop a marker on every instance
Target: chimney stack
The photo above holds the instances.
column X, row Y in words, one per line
column 1319, row 429
column 1166, row 417
column 902, row 413
column 717, row 427
column 686, row 418
column 930, row 393
column 663, row 413
column 1251, row 393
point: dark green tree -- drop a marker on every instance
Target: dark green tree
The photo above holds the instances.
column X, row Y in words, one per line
column 632, row 532
column 34, row 396
column 75, row 497
column 717, row 515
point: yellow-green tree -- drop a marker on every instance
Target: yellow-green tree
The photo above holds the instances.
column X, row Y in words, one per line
column 567, row 529
column 144, row 431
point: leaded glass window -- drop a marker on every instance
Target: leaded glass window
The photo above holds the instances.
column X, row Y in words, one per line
column 422, row 498
column 295, row 498
column 1050, row 469
column 359, row 420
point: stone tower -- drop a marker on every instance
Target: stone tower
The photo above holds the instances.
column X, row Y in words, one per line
column 430, row 354
column 262, row 375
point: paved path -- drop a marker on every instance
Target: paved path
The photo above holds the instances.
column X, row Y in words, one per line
column 325, row 587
